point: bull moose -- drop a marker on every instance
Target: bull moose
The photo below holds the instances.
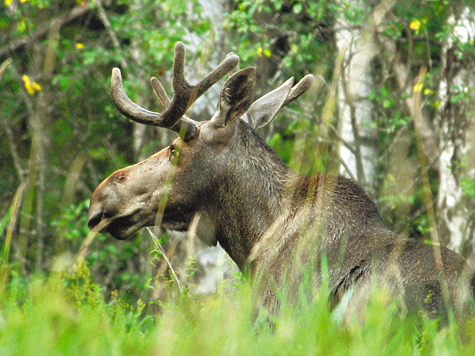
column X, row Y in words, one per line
column 274, row 224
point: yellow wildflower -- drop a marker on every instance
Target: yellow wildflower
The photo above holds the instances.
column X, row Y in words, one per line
column 415, row 25
column 8, row 2
column 30, row 86
column 79, row 45
column 267, row 53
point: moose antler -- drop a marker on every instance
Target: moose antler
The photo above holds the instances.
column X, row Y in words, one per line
column 184, row 96
column 299, row 88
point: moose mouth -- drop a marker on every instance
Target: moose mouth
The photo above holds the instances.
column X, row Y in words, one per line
column 120, row 228
column 123, row 227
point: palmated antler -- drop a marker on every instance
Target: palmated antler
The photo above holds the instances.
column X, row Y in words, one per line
column 184, row 96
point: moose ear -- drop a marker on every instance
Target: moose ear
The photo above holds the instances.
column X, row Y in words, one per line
column 263, row 111
column 235, row 97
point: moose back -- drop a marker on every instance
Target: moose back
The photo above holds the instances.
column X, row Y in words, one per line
column 277, row 226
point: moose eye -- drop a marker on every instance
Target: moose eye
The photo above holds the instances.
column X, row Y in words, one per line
column 173, row 152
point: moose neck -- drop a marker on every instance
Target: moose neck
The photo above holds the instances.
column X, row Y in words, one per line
column 249, row 199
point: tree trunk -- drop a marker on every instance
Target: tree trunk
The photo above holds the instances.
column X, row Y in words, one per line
column 455, row 209
column 43, row 110
column 359, row 151
column 36, row 127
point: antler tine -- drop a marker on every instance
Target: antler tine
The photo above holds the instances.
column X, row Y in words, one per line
column 229, row 65
column 165, row 101
column 126, row 106
column 160, row 92
column 236, row 68
column 299, row 88
column 179, row 66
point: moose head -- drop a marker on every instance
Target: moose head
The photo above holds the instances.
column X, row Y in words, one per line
column 267, row 218
column 204, row 166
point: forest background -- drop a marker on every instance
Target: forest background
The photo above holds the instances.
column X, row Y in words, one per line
column 61, row 135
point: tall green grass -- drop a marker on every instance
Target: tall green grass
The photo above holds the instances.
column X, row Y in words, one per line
column 67, row 315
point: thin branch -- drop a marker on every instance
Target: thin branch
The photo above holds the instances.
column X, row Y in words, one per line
column 15, row 211
column 15, row 152
column 155, row 240
column 4, row 65
column 345, row 143
column 347, row 168
column 107, row 24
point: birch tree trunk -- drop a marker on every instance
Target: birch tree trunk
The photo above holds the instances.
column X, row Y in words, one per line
column 359, row 151
column 456, row 132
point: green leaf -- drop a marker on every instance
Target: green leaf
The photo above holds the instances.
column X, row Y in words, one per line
column 468, row 186
column 297, row 8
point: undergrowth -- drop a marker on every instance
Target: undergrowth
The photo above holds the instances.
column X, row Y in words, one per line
column 67, row 315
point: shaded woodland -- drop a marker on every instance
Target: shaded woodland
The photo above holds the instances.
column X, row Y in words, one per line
column 402, row 124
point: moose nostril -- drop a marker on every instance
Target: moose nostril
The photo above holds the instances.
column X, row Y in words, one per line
column 94, row 219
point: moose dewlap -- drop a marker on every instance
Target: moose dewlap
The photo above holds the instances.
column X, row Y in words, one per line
column 277, row 226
